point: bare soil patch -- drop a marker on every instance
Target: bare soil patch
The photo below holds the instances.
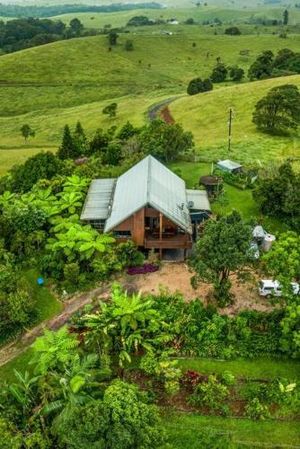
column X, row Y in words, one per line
column 176, row 278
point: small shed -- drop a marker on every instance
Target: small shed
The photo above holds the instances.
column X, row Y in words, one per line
column 230, row 166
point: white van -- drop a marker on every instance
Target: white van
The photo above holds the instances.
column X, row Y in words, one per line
column 273, row 288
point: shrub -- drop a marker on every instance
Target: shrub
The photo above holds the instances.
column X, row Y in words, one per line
column 211, row 394
column 257, row 411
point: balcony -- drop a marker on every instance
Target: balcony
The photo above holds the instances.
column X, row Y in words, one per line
column 168, row 241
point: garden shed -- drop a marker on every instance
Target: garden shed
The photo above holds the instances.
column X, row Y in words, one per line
column 230, row 166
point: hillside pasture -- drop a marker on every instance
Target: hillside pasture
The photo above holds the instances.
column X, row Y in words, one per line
column 206, row 115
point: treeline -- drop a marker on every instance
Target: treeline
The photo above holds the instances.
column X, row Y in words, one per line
column 49, row 11
column 24, row 33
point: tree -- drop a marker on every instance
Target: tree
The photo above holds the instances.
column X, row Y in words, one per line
column 110, row 110
column 290, row 340
column 123, row 420
column 41, row 166
column 233, row 31
column 283, row 261
column 285, row 17
column 129, row 45
column 76, row 26
column 196, row 86
column 263, row 66
column 221, row 251
column 279, row 110
column 27, row 132
column 68, row 149
column 133, row 423
column 80, row 139
column 236, row 73
column 112, row 38
column 164, row 141
column 219, row 73
column 278, row 195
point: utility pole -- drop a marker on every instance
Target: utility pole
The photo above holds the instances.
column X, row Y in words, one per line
column 230, row 128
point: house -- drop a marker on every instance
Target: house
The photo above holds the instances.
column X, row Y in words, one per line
column 230, row 166
column 148, row 204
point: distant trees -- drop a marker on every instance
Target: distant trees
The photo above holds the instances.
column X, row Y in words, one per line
column 67, row 149
column 219, row 73
column 27, row 132
column 285, row 17
column 286, row 62
column 128, row 45
column 233, row 31
column 113, row 38
column 236, row 73
column 221, row 251
column 263, row 66
column 198, row 85
column 110, row 110
column 279, row 110
column 138, row 21
column 76, row 26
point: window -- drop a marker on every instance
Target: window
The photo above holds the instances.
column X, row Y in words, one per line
column 122, row 234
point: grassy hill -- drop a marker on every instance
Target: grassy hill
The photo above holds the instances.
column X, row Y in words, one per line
column 230, row 14
column 59, row 83
column 206, row 115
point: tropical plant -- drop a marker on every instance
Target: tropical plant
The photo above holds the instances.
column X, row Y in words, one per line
column 54, row 351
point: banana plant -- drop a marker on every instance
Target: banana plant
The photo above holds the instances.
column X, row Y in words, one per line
column 70, row 201
column 75, row 184
column 6, row 198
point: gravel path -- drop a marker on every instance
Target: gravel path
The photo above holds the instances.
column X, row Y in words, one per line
column 15, row 348
column 155, row 109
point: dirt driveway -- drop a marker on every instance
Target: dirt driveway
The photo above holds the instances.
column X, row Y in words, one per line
column 176, row 277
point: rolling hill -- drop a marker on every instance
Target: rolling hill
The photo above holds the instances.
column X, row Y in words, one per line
column 206, row 115
column 59, row 83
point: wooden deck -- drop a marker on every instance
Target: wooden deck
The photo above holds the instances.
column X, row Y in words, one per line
column 180, row 241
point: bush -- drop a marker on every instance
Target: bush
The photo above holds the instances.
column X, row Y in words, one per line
column 211, row 394
column 257, row 411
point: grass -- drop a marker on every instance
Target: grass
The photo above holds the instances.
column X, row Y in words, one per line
column 20, row 363
column 47, row 305
column 182, row 430
column 224, row 13
column 72, row 80
column 253, row 369
column 206, row 116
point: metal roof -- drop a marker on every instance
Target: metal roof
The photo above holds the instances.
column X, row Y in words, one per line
column 199, row 198
column 149, row 183
column 97, row 203
column 229, row 165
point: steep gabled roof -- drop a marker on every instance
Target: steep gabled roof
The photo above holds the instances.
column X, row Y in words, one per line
column 149, row 183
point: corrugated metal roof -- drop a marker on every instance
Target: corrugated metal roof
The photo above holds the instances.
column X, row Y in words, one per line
column 199, row 198
column 149, row 183
column 229, row 165
column 96, row 206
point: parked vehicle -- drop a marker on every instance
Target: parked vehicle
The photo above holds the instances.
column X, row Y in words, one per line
column 273, row 288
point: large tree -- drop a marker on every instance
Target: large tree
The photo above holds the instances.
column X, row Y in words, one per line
column 222, row 251
column 279, row 110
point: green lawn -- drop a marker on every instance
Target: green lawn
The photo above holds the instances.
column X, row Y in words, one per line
column 182, row 431
column 47, row 305
column 20, row 363
column 253, row 369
